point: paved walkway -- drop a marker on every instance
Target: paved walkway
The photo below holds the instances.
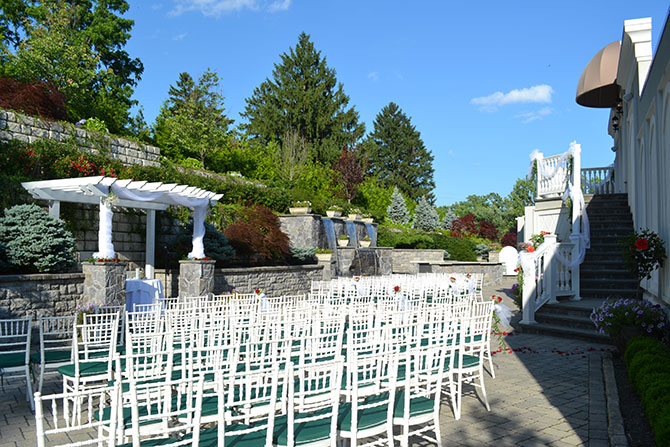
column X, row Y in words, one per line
column 547, row 392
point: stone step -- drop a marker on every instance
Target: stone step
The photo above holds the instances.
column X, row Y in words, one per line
column 600, row 292
column 601, row 211
column 608, row 283
column 581, row 308
column 561, row 331
column 571, row 321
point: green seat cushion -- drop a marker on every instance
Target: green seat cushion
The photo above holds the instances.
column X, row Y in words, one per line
column 12, row 360
column 55, row 356
column 208, row 438
column 86, row 369
column 469, row 361
column 417, row 406
column 304, row 432
column 367, row 418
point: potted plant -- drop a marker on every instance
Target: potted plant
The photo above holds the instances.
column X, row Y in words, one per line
column 324, row 254
column 334, row 211
column 365, row 242
column 343, row 240
column 354, row 214
column 301, row 207
column 643, row 252
column 367, row 218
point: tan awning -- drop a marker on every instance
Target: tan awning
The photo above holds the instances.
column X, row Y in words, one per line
column 597, row 86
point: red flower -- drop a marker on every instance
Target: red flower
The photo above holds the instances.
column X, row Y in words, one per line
column 258, row 291
column 544, row 233
column 530, row 249
column 396, row 289
column 642, row 244
column 517, row 270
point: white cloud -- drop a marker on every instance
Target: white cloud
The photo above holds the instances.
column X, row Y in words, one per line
column 529, row 117
column 279, row 5
column 374, row 76
column 537, row 93
column 451, row 153
column 180, row 36
column 217, row 8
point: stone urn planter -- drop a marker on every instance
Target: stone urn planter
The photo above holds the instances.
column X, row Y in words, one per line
column 342, row 242
column 300, row 210
column 354, row 217
column 333, row 213
column 324, row 257
column 364, row 244
column 368, row 220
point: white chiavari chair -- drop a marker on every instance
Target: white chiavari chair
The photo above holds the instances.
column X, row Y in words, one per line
column 55, row 346
column 15, row 351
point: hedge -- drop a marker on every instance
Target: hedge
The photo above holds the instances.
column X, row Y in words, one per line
column 648, row 364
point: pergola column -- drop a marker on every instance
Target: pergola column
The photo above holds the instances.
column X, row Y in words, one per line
column 150, row 244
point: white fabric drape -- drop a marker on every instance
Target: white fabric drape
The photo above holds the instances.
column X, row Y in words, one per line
column 503, row 313
column 544, row 172
column 199, row 205
column 105, row 245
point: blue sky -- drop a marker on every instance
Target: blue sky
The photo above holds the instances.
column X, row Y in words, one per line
column 484, row 82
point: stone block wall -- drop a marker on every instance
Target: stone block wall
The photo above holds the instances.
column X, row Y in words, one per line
column 274, row 281
column 406, row 260
column 14, row 126
column 40, row 295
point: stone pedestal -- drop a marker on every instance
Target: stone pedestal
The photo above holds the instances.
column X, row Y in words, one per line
column 196, row 278
column 104, row 283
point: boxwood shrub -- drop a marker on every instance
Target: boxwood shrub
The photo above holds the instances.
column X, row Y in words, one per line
column 648, row 364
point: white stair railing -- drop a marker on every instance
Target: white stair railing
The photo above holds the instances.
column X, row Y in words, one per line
column 553, row 268
column 598, row 180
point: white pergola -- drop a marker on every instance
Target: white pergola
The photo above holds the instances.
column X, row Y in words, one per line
column 107, row 192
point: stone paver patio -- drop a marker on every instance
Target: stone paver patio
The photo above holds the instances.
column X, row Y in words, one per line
column 547, row 392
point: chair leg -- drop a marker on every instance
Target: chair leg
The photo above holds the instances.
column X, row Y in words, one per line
column 29, row 389
column 488, row 354
column 438, row 436
column 483, row 387
column 39, row 386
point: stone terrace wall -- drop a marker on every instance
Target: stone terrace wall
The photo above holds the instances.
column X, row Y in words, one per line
column 405, row 260
column 40, row 295
column 14, row 126
column 279, row 280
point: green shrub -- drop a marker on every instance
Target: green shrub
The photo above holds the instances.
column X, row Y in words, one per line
column 35, row 241
column 642, row 344
column 661, row 426
column 303, row 255
column 647, row 363
column 459, row 249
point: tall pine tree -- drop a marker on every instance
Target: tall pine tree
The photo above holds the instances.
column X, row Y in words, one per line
column 397, row 155
column 304, row 96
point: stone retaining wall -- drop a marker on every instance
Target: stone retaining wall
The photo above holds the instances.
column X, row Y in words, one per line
column 40, row 295
column 280, row 280
column 14, row 126
column 493, row 271
column 406, row 260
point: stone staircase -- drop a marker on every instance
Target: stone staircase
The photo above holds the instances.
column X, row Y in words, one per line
column 603, row 273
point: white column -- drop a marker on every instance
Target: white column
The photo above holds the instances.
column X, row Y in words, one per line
column 150, row 244
column 54, row 208
column 576, row 219
column 105, row 245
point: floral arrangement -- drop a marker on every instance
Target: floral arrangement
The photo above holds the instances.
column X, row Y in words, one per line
column 83, row 309
column 495, row 324
column 104, row 260
column 452, row 279
column 355, row 211
column 526, row 246
column 396, row 289
column 302, row 203
column 357, row 278
column 615, row 313
column 343, row 237
column 468, row 275
column 206, row 258
column 335, row 208
column 258, row 291
column 643, row 252
column 535, row 241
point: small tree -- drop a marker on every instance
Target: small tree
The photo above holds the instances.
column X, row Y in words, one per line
column 487, row 230
column 349, row 171
column 397, row 211
column 464, row 226
column 36, row 241
column 425, row 216
column 448, row 220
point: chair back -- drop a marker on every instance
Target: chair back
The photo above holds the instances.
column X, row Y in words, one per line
column 15, row 338
column 55, row 334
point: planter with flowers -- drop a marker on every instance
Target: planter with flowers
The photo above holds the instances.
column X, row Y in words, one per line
column 365, row 242
column 625, row 318
column 301, row 207
column 643, row 252
column 334, row 211
column 324, row 254
column 367, row 218
column 343, row 240
column 354, row 214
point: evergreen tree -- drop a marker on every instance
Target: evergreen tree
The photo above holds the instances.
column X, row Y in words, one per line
column 425, row 216
column 397, row 211
column 448, row 219
column 192, row 123
column 397, row 155
column 304, row 96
